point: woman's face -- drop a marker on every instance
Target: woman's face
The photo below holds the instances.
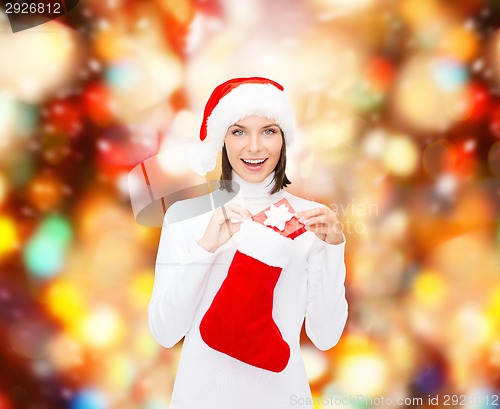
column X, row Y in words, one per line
column 253, row 146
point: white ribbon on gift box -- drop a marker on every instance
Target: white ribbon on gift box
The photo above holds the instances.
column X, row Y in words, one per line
column 277, row 216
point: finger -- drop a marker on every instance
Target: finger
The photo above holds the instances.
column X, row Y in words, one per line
column 317, row 228
column 312, row 212
column 322, row 220
column 308, row 213
column 317, row 220
column 233, row 216
column 223, row 214
column 325, row 228
column 242, row 208
column 241, row 211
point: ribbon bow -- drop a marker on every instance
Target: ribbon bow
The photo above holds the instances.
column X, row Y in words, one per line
column 278, row 216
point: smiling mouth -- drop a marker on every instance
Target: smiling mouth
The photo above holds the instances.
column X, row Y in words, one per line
column 254, row 161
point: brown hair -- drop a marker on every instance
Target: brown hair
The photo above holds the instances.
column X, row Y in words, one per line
column 280, row 180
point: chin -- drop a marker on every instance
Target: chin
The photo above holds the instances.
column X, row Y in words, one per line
column 253, row 177
column 256, row 178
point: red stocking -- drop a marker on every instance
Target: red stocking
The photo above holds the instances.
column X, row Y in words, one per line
column 239, row 322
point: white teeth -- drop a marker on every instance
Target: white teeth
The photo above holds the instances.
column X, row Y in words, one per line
column 254, row 162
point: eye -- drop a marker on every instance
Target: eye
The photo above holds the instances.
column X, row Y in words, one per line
column 237, row 132
column 269, row 131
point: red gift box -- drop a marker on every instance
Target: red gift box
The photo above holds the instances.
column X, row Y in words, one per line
column 293, row 228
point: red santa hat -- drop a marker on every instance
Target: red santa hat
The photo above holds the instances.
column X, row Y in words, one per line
column 231, row 101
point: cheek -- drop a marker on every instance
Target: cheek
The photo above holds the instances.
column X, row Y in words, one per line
column 232, row 150
column 275, row 148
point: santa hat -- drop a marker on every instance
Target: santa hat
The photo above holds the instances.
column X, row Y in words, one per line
column 234, row 100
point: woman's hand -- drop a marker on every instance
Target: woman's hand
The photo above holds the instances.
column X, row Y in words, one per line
column 220, row 228
column 324, row 223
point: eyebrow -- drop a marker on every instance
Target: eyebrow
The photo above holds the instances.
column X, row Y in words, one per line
column 264, row 127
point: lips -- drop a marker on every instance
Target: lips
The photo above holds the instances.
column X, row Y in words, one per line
column 254, row 161
column 254, row 165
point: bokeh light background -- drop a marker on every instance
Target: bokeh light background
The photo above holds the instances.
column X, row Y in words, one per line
column 398, row 104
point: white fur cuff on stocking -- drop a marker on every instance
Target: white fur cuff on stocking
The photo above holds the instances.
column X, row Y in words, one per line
column 264, row 244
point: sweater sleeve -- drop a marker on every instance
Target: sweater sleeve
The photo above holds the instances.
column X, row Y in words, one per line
column 326, row 310
column 181, row 275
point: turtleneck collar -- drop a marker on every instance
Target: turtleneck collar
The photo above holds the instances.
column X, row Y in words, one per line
column 249, row 189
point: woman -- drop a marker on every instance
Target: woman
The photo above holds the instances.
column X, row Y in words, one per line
column 237, row 290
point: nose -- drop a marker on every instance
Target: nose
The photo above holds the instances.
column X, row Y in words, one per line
column 254, row 143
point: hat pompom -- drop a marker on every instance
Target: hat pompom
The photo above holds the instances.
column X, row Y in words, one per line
column 202, row 157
